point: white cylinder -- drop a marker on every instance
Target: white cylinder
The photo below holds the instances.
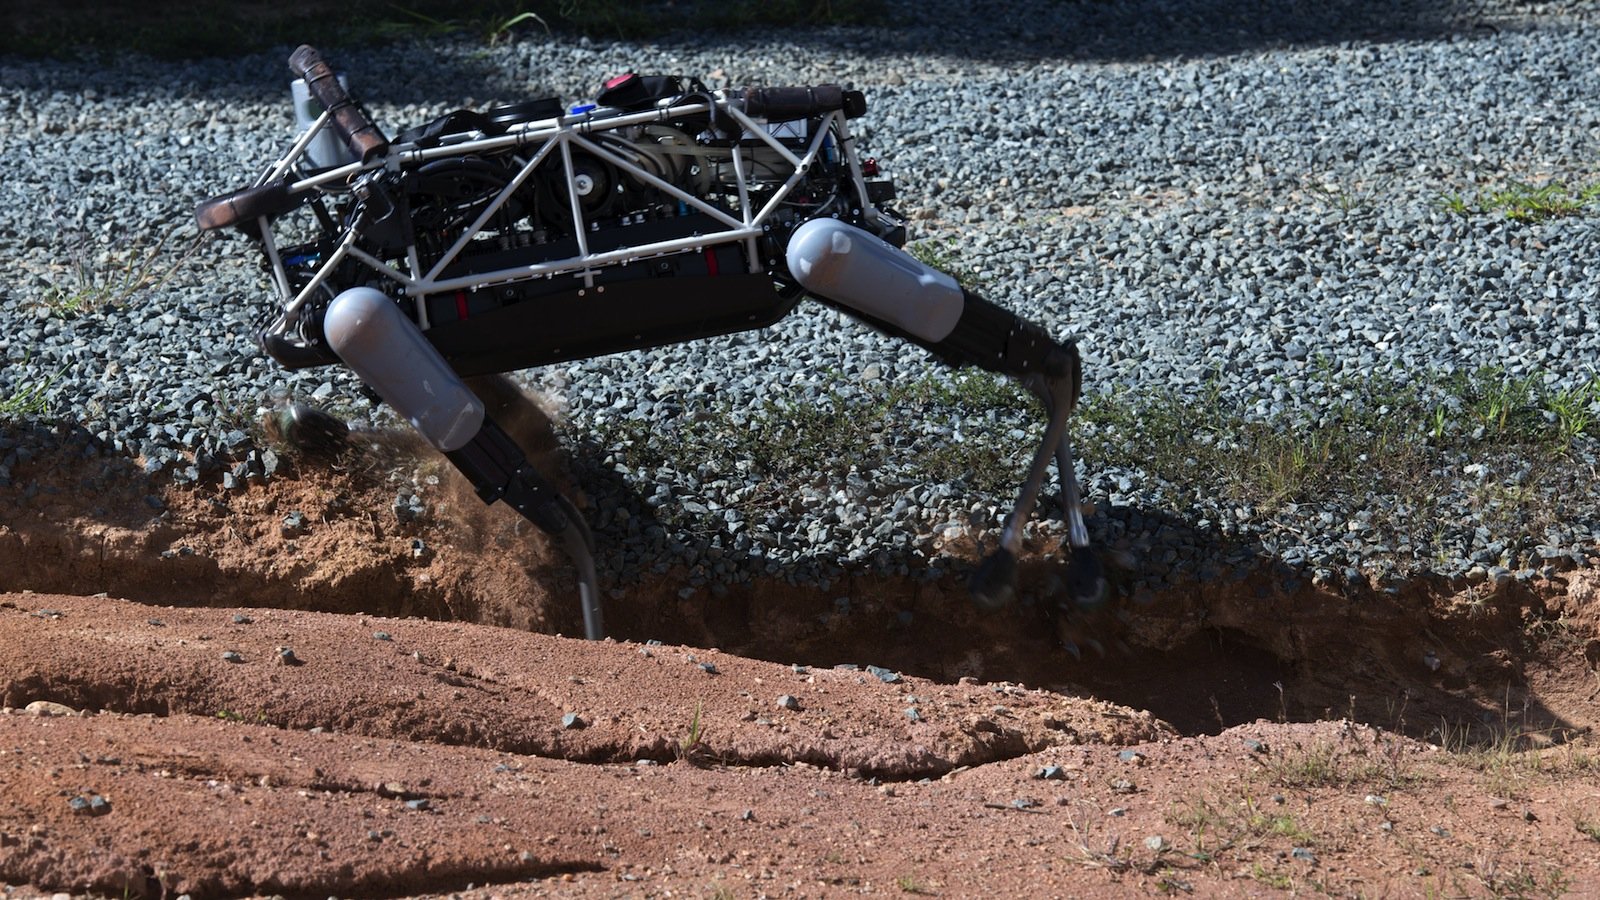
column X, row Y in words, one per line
column 325, row 150
column 378, row 342
column 845, row 264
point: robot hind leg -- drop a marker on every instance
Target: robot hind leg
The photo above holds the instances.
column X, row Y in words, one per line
column 881, row 284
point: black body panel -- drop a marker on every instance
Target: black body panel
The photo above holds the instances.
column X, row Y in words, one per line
column 624, row 314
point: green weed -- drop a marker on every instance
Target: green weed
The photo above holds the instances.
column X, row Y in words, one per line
column 786, row 440
column 1519, row 880
column 1523, row 202
column 1405, row 435
column 491, row 27
column 501, row 31
column 1319, row 765
column 1216, row 826
column 1527, row 203
column 1275, row 880
column 910, row 884
column 946, row 257
column 28, row 401
column 1574, row 410
column 1205, row 438
column 1346, row 200
column 88, row 286
column 691, row 745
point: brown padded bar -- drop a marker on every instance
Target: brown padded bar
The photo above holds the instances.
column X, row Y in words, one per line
column 360, row 135
column 270, row 199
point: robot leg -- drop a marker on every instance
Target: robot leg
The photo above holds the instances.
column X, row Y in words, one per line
column 882, row 284
column 391, row 355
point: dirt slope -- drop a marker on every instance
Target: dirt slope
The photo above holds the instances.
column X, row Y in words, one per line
column 394, row 757
column 298, row 688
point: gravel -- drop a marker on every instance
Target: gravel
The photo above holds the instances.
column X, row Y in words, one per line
column 1191, row 189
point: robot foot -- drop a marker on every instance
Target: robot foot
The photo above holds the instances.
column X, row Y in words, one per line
column 308, row 430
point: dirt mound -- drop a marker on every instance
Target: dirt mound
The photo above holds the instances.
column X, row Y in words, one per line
column 523, row 693
column 346, row 680
column 211, row 784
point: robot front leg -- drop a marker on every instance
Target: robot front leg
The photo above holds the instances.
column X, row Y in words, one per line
column 880, row 283
column 392, row 356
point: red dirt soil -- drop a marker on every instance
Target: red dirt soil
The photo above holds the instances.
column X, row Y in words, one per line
column 329, row 710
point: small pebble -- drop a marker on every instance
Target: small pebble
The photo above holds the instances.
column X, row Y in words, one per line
column 887, row 676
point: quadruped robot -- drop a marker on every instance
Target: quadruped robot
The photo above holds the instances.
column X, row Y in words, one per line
column 529, row 234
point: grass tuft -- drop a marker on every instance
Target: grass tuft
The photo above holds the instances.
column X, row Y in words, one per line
column 910, row 884
column 692, row 743
column 1522, row 202
column 787, row 439
column 114, row 279
column 946, row 257
column 27, row 401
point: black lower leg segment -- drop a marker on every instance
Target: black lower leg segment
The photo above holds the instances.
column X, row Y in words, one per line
column 499, row 470
column 994, row 338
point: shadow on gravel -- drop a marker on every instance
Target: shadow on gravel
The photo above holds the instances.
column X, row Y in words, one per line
column 1155, row 29
column 1090, row 30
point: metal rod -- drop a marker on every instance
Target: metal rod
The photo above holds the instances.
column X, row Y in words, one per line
column 1071, row 502
column 1054, row 433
